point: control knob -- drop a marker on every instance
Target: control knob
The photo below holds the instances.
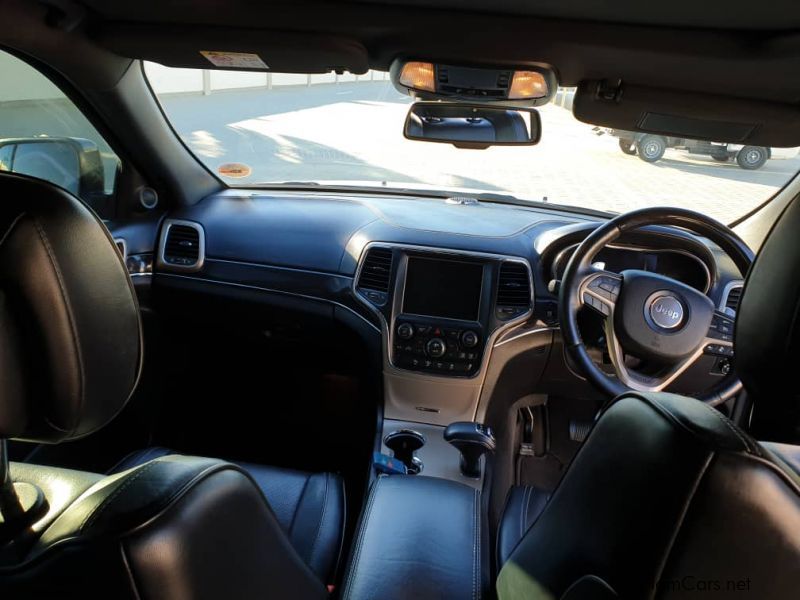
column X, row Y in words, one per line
column 469, row 339
column 436, row 347
column 405, row 331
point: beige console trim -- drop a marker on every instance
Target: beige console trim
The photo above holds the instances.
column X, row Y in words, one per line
column 421, row 397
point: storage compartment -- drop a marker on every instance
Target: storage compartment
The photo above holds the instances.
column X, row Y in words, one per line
column 419, row 537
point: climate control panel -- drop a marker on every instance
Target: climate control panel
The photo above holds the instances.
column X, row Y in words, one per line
column 438, row 349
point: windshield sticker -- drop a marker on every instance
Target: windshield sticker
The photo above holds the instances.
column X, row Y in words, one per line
column 234, row 60
column 234, row 170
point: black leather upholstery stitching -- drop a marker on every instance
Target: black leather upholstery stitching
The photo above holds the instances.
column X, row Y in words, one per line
column 71, row 318
column 600, row 581
column 787, row 477
column 752, row 448
column 142, row 456
column 126, row 563
column 321, row 520
column 525, row 507
column 299, row 504
column 76, row 540
column 679, row 521
column 11, row 227
column 522, row 512
column 339, row 552
column 474, row 543
column 92, row 517
column 665, row 412
column 362, row 528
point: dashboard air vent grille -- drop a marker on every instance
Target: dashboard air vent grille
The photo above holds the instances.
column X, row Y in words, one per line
column 182, row 246
column 513, row 290
column 734, row 295
column 375, row 274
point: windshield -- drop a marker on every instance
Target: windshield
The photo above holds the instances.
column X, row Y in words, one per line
column 253, row 128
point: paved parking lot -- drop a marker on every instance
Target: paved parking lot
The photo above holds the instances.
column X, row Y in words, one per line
column 353, row 132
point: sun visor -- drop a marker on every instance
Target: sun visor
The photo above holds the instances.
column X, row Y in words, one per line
column 218, row 48
column 687, row 114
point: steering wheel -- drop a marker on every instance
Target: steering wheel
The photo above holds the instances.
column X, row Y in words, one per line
column 664, row 323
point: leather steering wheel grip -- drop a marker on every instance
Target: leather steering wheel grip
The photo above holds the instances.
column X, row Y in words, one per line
column 579, row 266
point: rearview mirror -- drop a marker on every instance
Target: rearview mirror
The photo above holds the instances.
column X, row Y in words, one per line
column 475, row 126
column 73, row 164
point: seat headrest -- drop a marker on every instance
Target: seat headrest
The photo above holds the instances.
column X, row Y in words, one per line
column 768, row 323
column 70, row 335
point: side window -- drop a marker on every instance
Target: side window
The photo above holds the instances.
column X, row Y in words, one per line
column 43, row 134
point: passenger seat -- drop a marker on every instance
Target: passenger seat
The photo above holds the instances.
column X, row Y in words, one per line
column 309, row 507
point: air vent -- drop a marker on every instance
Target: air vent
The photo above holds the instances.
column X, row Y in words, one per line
column 182, row 245
column 375, row 274
column 513, row 290
column 732, row 300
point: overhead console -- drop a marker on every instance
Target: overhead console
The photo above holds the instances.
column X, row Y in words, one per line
column 442, row 307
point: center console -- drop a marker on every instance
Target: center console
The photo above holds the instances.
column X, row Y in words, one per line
column 422, row 533
column 441, row 311
column 419, row 537
column 440, row 328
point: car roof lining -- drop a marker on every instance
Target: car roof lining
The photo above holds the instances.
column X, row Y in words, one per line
column 301, row 36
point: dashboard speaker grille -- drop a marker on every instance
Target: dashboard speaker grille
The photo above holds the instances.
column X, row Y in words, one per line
column 513, row 290
column 182, row 246
column 376, row 272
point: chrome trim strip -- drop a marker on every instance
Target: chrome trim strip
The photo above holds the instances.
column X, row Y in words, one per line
column 274, row 291
column 201, row 245
column 726, row 291
column 526, row 333
column 118, row 241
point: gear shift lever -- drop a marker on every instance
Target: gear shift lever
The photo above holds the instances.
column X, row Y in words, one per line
column 473, row 440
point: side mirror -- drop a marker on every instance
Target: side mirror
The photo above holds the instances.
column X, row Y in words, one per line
column 74, row 164
column 475, row 126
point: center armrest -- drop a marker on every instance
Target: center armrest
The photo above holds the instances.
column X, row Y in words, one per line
column 419, row 537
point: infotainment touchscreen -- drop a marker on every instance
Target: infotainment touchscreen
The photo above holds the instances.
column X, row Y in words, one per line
column 443, row 288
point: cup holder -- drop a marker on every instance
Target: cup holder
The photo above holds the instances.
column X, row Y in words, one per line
column 403, row 443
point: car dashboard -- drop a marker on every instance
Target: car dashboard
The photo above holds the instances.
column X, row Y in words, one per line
column 450, row 295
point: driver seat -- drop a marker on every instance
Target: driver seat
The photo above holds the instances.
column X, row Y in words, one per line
column 667, row 498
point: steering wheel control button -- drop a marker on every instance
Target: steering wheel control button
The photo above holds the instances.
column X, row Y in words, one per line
column 597, row 304
column 666, row 312
column 721, row 328
column 719, row 350
column 604, row 286
column 405, row 331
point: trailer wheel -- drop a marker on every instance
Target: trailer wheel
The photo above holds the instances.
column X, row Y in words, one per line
column 627, row 146
column 651, row 147
column 752, row 157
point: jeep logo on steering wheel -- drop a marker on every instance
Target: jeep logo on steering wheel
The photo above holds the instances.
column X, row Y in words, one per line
column 666, row 312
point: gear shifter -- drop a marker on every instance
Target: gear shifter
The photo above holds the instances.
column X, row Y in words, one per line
column 473, row 440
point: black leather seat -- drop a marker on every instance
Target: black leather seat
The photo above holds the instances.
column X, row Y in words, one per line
column 171, row 527
column 667, row 498
column 524, row 504
column 308, row 506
